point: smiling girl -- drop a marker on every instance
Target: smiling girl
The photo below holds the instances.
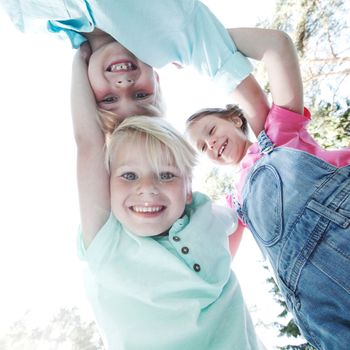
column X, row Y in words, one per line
column 293, row 195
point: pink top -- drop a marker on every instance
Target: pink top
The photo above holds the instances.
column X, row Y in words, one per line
column 288, row 129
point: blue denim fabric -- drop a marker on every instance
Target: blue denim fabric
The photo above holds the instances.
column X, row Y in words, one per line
column 298, row 209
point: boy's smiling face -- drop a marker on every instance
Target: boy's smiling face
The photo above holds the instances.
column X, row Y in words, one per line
column 146, row 201
column 122, row 84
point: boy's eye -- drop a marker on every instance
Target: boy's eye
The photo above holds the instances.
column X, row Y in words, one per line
column 166, row 176
column 203, row 148
column 110, row 99
column 141, row 95
column 211, row 130
column 130, row 176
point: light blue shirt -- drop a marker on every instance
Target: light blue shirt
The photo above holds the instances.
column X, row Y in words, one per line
column 172, row 292
column 158, row 32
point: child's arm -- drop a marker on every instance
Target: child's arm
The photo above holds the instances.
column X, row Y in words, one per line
column 93, row 179
column 276, row 50
column 235, row 239
column 253, row 101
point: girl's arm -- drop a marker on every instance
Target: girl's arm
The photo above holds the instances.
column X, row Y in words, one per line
column 276, row 50
column 253, row 101
column 235, row 239
column 93, row 179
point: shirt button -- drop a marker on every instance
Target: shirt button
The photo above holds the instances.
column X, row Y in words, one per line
column 196, row 267
column 176, row 238
column 185, row 250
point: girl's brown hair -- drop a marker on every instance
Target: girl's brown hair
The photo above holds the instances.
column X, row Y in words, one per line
column 226, row 113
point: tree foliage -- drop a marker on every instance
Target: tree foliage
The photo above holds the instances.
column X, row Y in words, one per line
column 287, row 329
column 217, row 184
column 65, row 331
column 321, row 30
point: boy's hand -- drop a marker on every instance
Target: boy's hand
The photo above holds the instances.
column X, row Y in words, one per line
column 85, row 51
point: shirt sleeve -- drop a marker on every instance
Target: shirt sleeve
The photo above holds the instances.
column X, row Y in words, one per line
column 203, row 213
column 102, row 246
column 282, row 124
column 65, row 18
column 215, row 53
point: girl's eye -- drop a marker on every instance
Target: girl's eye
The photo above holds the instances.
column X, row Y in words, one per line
column 129, row 176
column 211, row 130
column 141, row 95
column 110, row 99
column 166, row 176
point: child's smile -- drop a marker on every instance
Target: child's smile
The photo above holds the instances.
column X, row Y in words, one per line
column 121, row 83
column 121, row 66
column 222, row 148
column 220, row 139
column 147, row 201
column 147, row 210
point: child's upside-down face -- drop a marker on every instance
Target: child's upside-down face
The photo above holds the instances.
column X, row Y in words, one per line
column 122, row 84
column 146, row 201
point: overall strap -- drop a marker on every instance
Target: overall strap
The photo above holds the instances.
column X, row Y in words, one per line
column 264, row 142
column 236, row 206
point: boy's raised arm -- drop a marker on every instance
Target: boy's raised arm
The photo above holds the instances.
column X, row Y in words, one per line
column 92, row 176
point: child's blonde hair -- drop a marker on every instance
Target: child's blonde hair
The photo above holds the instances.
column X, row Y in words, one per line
column 108, row 121
column 162, row 143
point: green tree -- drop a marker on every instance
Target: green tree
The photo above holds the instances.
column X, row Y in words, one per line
column 289, row 329
column 217, row 183
column 320, row 30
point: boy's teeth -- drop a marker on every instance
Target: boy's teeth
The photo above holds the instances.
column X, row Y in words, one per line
column 121, row 66
column 147, row 209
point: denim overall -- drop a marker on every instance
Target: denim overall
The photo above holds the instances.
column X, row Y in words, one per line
column 298, row 208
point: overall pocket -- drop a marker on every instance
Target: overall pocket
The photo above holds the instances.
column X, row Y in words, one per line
column 332, row 256
column 262, row 205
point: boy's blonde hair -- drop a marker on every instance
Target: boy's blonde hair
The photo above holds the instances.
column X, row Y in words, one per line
column 162, row 143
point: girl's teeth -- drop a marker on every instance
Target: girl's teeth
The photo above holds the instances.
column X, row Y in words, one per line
column 222, row 148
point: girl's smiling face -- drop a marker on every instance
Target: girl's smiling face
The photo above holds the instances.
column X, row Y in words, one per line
column 222, row 140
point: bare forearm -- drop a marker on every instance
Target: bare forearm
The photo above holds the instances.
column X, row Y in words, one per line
column 276, row 50
column 83, row 105
column 92, row 176
column 253, row 101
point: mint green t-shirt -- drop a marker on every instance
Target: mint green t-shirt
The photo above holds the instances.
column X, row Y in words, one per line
column 174, row 292
column 158, row 32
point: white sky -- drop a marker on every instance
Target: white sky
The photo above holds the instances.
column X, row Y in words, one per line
column 39, row 211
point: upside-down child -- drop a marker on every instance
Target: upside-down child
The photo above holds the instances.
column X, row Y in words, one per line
column 158, row 258
column 130, row 38
column 293, row 195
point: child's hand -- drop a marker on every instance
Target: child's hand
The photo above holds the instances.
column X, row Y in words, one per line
column 85, row 51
